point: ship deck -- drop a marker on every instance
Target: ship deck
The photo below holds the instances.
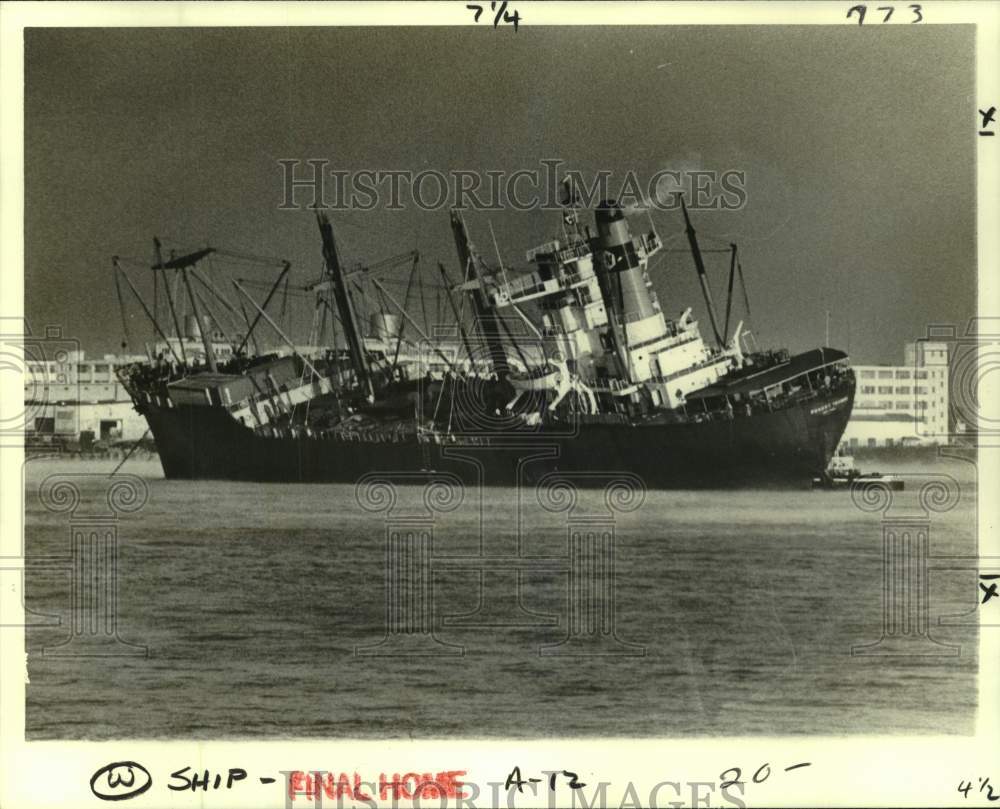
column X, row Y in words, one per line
column 757, row 382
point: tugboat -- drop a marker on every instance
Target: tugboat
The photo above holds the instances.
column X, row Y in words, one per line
column 841, row 473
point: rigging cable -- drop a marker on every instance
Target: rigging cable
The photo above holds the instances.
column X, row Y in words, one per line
column 402, row 322
column 121, row 306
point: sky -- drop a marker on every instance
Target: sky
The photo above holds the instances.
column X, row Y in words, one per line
column 857, row 146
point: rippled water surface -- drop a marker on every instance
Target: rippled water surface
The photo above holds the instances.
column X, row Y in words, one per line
column 252, row 600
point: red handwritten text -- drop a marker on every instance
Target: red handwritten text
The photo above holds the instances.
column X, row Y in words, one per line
column 398, row 786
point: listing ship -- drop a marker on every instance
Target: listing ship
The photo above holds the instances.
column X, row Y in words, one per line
column 569, row 365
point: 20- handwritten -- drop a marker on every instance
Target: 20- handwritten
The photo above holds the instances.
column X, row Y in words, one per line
column 759, row 777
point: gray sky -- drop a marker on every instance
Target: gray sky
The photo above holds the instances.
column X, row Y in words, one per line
column 858, row 146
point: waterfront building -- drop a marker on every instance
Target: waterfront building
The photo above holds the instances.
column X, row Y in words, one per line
column 901, row 405
column 71, row 396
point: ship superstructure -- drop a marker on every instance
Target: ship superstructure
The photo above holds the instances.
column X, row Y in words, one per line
column 602, row 322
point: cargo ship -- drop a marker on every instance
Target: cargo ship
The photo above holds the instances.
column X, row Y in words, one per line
column 567, row 364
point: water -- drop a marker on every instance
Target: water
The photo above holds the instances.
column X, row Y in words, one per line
column 252, row 598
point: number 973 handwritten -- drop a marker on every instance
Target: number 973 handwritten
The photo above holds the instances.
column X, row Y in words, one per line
column 862, row 10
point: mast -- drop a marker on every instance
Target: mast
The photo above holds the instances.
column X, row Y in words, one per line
column 702, row 277
column 182, row 263
column 485, row 315
column 206, row 339
column 345, row 306
column 170, row 298
column 729, row 293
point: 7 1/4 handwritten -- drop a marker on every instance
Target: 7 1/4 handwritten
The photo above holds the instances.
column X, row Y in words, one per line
column 499, row 15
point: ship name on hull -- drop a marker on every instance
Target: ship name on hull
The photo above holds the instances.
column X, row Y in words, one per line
column 829, row 407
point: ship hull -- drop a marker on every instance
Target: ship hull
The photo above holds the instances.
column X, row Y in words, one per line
column 784, row 447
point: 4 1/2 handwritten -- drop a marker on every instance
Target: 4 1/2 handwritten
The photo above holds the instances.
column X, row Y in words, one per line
column 984, row 786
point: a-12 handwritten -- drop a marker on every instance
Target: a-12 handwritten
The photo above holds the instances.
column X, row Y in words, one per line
column 516, row 780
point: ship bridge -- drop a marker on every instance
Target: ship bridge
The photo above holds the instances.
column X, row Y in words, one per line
column 763, row 381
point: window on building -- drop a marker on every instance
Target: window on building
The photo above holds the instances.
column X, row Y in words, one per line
column 902, row 374
column 883, row 389
column 885, row 374
column 888, row 442
column 871, row 442
column 921, row 390
column 45, row 424
column 902, row 405
column 885, row 405
column 854, row 443
column 903, row 389
column 920, row 374
column 867, row 374
column 867, row 388
column 921, row 405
